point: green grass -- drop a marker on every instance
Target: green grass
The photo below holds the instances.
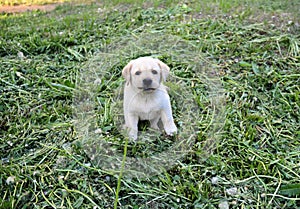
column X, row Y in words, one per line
column 253, row 47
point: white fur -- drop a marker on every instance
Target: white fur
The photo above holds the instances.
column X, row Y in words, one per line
column 145, row 97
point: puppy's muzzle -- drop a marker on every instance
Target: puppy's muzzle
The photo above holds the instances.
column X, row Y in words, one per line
column 147, row 82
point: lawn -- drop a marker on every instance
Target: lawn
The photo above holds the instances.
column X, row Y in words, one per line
column 234, row 87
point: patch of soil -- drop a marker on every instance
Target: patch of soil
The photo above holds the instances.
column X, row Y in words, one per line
column 25, row 8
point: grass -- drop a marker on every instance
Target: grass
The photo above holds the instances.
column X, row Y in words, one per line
column 253, row 48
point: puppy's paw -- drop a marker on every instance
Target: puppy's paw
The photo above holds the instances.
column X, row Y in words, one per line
column 171, row 129
column 131, row 133
column 154, row 126
column 154, row 123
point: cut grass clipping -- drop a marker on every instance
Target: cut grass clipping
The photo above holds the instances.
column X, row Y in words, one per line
column 254, row 163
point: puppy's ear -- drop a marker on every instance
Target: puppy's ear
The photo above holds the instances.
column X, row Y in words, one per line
column 165, row 70
column 126, row 71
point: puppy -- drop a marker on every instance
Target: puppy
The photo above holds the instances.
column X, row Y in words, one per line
column 145, row 96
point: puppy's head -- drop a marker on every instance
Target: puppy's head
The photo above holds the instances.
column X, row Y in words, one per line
column 145, row 73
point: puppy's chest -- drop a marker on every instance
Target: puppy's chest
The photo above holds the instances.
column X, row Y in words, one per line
column 148, row 108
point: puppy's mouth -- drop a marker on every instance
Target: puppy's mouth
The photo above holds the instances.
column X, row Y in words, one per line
column 147, row 89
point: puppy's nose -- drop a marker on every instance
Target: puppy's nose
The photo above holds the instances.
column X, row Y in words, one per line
column 147, row 81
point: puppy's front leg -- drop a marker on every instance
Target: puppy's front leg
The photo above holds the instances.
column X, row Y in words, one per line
column 168, row 121
column 132, row 124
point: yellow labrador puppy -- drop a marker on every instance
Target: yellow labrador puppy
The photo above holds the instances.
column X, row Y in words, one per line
column 145, row 97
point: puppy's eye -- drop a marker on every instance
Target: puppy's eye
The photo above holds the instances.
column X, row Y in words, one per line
column 138, row 72
column 154, row 71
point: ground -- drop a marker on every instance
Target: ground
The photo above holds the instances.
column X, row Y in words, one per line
column 25, row 8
